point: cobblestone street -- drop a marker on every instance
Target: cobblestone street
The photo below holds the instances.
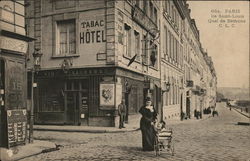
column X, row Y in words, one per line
column 213, row 138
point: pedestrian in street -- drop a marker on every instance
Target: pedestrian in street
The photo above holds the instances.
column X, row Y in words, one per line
column 122, row 113
column 147, row 122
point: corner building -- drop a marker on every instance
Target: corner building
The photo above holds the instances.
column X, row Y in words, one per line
column 87, row 46
column 14, row 113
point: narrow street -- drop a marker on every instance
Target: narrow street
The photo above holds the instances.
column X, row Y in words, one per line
column 213, row 138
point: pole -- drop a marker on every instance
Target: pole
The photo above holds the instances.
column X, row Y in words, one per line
column 31, row 109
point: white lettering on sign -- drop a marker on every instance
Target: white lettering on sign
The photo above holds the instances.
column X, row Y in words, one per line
column 13, row 44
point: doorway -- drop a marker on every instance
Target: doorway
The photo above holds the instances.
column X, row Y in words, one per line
column 72, row 108
column 76, row 102
column 182, row 113
column 188, row 107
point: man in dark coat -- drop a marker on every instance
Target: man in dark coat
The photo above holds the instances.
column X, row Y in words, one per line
column 122, row 113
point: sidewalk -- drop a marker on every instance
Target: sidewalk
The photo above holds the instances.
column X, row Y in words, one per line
column 133, row 125
column 20, row 152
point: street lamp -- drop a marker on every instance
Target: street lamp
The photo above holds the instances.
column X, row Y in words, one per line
column 37, row 59
column 167, row 87
column 36, row 67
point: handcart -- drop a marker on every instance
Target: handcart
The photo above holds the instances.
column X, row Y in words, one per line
column 164, row 141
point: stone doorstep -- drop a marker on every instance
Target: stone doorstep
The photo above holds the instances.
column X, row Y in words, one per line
column 23, row 151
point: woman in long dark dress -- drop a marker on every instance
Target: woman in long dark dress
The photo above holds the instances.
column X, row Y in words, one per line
column 147, row 125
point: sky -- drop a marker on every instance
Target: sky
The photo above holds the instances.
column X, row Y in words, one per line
column 224, row 33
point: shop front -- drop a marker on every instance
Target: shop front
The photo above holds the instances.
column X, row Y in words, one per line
column 87, row 96
column 13, row 109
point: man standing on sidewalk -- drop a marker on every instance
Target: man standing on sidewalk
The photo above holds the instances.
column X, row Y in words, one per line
column 122, row 113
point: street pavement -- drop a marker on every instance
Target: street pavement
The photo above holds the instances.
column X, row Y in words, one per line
column 209, row 139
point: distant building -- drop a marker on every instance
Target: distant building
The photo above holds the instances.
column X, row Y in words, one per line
column 184, row 64
column 172, row 67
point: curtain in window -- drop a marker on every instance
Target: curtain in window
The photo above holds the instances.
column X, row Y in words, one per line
column 63, row 38
column 72, row 39
column 66, row 38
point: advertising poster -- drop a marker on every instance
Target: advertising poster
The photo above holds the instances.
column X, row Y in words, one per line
column 107, row 94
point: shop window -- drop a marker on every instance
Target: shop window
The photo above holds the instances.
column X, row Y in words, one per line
column 51, row 99
column 84, row 84
column 68, row 85
column 76, row 85
column 66, row 38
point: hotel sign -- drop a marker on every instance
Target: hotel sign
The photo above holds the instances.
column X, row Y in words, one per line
column 13, row 44
column 92, row 30
column 92, row 36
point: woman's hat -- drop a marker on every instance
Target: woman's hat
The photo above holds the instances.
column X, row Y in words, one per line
column 148, row 99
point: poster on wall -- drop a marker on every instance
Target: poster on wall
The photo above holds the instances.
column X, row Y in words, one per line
column 16, row 126
column 107, row 94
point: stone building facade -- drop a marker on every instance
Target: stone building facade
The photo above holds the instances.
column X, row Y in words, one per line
column 185, row 65
column 13, row 78
column 172, row 67
column 87, row 46
column 96, row 53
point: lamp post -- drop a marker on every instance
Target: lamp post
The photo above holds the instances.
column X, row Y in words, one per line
column 167, row 87
column 36, row 67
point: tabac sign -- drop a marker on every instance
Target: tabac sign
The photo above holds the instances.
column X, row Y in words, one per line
column 92, row 30
column 92, row 36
